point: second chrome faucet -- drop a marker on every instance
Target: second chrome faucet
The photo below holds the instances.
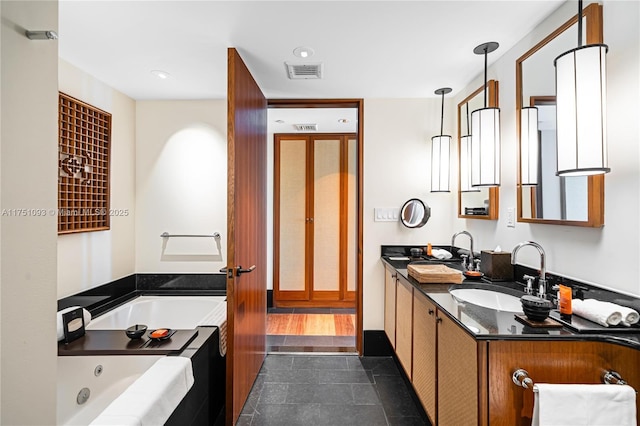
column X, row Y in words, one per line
column 542, row 280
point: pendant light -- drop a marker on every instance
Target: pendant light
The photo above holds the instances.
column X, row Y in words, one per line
column 465, row 158
column 529, row 146
column 485, row 134
column 440, row 153
column 581, row 108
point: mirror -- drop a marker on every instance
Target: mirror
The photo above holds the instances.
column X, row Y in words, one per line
column 414, row 213
column 474, row 203
column 576, row 200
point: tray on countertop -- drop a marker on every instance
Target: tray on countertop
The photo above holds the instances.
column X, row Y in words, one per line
column 434, row 274
column 583, row 325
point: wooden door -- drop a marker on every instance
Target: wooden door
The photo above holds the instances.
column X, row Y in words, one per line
column 390, row 305
column 315, row 238
column 404, row 325
column 457, row 354
column 246, row 228
column 425, row 353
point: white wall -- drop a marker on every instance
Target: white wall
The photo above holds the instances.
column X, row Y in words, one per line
column 181, row 185
column 609, row 256
column 397, row 158
column 28, row 153
column 90, row 259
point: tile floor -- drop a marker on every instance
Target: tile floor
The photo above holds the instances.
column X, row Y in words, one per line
column 343, row 390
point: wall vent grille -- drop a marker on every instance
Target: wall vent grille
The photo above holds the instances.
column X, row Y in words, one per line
column 309, row 127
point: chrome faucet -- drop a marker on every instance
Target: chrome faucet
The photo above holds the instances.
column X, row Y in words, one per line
column 469, row 265
column 542, row 281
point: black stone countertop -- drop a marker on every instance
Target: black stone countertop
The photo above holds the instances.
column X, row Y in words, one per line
column 489, row 324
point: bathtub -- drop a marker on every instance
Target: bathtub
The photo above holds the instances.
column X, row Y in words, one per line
column 106, row 377
column 177, row 312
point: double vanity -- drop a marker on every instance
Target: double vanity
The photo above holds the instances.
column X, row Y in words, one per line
column 459, row 345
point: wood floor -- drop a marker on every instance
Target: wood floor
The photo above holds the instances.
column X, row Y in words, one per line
column 311, row 324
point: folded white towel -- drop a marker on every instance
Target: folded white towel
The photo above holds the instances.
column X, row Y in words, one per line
column 603, row 313
column 86, row 314
column 629, row 316
column 151, row 399
column 441, row 254
column 576, row 405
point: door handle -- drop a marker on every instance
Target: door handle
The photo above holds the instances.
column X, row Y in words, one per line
column 241, row 270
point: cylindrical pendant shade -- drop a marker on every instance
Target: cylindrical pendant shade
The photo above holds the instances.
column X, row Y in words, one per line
column 581, row 111
column 529, row 146
column 440, row 160
column 485, row 147
column 465, row 165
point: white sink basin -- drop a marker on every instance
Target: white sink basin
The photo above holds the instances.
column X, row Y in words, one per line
column 488, row 299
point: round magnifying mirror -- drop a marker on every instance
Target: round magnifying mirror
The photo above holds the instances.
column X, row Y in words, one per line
column 415, row 213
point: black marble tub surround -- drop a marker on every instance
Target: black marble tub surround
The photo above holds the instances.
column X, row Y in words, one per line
column 107, row 296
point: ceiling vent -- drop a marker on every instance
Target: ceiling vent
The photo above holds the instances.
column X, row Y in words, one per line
column 313, row 127
column 304, row 71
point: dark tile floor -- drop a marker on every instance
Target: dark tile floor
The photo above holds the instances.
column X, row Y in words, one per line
column 330, row 390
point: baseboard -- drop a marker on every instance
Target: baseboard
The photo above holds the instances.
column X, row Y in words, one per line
column 269, row 299
column 376, row 343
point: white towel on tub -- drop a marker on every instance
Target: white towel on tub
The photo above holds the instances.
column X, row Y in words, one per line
column 577, row 405
column 153, row 397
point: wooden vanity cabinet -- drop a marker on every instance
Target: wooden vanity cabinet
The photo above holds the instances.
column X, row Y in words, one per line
column 404, row 325
column 550, row 362
column 425, row 374
column 390, row 305
column 445, row 366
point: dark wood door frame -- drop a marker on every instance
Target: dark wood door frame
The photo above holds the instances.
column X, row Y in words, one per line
column 359, row 105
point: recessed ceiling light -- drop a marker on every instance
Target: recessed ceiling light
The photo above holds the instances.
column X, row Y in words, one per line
column 163, row 75
column 303, row 52
column 280, row 121
column 343, row 120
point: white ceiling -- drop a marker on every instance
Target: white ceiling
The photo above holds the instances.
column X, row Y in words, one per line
column 370, row 49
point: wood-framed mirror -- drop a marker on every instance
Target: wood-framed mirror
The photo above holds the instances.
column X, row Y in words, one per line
column 576, row 200
column 474, row 202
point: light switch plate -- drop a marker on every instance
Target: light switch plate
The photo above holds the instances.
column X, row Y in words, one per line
column 386, row 214
column 511, row 217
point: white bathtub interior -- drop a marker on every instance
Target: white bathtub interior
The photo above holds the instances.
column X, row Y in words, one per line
column 177, row 312
column 106, row 377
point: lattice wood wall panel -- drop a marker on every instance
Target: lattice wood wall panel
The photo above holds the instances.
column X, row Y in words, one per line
column 84, row 149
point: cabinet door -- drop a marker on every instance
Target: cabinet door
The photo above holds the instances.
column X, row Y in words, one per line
column 457, row 374
column 390, row 305
column 424, row 353
column 551, row 362
column 404, row 326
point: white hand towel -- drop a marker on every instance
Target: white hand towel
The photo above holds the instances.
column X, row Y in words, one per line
column 152, row 398
column 629, row 316
column 577, row 405
column 596, row 311
column 86, row 314
column 441, row 254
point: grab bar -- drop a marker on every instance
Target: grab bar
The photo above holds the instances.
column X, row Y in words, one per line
column 215, row 235
column 521, row 378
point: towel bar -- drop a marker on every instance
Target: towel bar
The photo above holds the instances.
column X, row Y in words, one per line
column 215, row 235
column 521, row 378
